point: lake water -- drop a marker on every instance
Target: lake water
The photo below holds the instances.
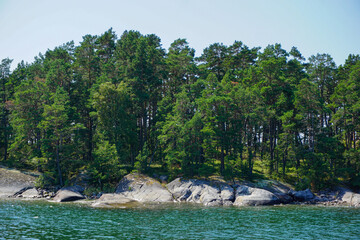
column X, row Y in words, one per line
column 43, row 220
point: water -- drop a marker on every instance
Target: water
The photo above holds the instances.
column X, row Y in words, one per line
column 42, row 220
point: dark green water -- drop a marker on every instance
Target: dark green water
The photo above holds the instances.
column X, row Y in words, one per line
column 42, row 220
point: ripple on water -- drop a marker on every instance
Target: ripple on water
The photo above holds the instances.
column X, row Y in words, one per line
column 42, row 220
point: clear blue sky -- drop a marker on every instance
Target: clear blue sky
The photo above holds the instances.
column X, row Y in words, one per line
column 313, row 26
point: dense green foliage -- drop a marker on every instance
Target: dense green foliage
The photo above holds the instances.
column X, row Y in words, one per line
column 112, row 105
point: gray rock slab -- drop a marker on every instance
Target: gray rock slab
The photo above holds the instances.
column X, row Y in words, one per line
column 249, row 196
column 31, row 193
column 13, row 181
column 111, row 200
column 279, row 189
column 351, row 198
column 64, row 195
column 142, row 188
column 305, row 195
column 209, row 193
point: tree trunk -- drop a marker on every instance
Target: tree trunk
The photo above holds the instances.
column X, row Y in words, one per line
column 90, row 140
column 4, row 121
column 222, row 166
column 58, row 163
column 284, row 162
column 250, row 165
column 272, row 149
column 6, row 138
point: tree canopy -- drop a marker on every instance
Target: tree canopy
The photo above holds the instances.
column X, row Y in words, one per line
column 112, row 105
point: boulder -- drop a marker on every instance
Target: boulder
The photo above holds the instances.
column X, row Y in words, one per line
column 68, row 194
column 142, row 188
column 351, row 198
column 227, row 195
column 13, row 182
column 283, row 197
column 111, row 200
column 249, row 196
column 209, row 193
column 329, row 195
column 305, row 195
column 31, row 193
column 180, row 189
column 280, row 190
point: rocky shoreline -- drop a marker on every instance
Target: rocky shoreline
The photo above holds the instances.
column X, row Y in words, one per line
column 138, row 188
column 141, row 188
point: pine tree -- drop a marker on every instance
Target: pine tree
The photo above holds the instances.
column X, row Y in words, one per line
column 57, row 129
column 4, row 114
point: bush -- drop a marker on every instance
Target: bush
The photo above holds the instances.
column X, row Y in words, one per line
column 206, row 170
column 302, row 184
column 45, row 180
column 142, row 160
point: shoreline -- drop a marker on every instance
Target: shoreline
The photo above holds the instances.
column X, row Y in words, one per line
column 152, row 205
column 135, row 189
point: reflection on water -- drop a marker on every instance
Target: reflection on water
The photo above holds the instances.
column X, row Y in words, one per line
column 42, row 220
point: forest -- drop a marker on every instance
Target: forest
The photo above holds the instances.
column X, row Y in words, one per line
column 112, row 105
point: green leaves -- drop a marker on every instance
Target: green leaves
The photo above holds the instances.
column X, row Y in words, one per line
column 114, row 108
column 55, row 115
column 5, row 95
column 109, row 105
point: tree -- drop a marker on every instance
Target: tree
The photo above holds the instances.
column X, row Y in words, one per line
column 240, row 58
column 181, row 67
column 140, row 62
column 114, row 109
column 4, row 114
column 105, row 48
column 346, row 120
column 58, row 67
column 56, row 127
column 322, row 70
column 87, row 71
column 213, row 59
column 308, row 106
column 181, row 132
column 26, row 114
column 215, row 107
column 114, row 105
column 273, row 85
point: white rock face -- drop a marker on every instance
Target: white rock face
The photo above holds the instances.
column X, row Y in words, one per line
column 13, row 181
column 352, row 198
column 248, row 196
column 31, row 193
column 200, row 191
column 142, row 188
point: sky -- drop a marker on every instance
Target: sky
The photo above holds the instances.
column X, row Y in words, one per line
column 28, row 28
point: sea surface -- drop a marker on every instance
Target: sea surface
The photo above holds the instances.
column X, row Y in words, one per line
column 43, row 220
